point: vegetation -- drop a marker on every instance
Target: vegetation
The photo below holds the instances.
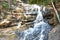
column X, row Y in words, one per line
column 43, row 2
column 4, row 5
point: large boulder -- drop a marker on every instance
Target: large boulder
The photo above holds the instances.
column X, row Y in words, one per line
column 55, row 33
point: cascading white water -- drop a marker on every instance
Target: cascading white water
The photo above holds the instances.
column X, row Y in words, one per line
column 39, row 31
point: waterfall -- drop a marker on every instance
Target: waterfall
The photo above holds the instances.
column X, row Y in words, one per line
column 40, row 29
column 19, row 24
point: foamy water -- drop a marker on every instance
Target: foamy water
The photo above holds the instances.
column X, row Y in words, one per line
column 40, row 29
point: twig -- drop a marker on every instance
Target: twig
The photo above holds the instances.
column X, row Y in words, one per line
column 55, row 11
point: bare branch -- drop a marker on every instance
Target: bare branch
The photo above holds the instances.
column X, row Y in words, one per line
column 55, row 11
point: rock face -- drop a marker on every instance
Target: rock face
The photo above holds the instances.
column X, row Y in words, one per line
column 55, row 33
column 4, row 37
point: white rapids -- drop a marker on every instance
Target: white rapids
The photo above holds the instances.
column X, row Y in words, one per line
column 40, row 29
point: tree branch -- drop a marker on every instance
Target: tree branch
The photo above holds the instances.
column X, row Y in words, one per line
column 55, row 11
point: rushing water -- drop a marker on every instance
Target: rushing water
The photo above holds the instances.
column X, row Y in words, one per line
column 40, row 29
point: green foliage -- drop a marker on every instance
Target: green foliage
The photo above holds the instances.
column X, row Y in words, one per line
column 4, row 5
column 13, row 1
column 43, row 2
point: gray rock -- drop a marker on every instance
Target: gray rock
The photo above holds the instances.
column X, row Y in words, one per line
column 55, row 33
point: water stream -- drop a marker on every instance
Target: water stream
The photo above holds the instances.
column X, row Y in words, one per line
column 40, row 29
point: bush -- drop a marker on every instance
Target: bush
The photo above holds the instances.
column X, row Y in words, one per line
column 4, row 5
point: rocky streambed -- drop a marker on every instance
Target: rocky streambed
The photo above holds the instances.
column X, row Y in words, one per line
column 17, row 20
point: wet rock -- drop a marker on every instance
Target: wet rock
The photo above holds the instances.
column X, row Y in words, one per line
column 55, row 33
column 52, row 22
column 19, row 10
column 6, row 37
column 5, row 22
column 18, row 0
column 18, row 15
